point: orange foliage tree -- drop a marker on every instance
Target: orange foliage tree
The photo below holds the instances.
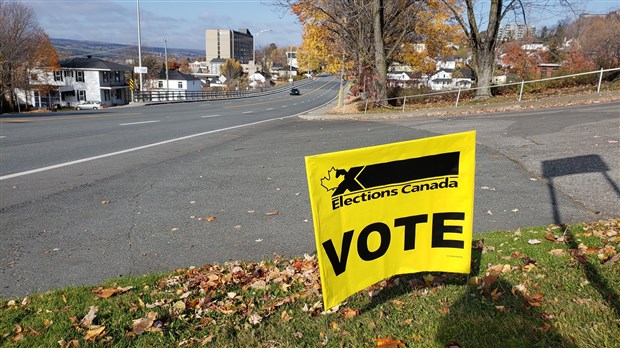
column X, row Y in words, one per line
column 368, row 34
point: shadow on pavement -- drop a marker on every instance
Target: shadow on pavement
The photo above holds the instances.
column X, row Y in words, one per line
column 581, row 165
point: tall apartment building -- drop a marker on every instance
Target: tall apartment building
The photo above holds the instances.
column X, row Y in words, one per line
column 514, row 31
column 224, row 44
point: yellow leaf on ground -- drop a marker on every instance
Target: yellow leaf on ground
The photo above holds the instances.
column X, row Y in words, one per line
column 557, row 252
column 349, row 313
column 94, row 333
column 388, row 342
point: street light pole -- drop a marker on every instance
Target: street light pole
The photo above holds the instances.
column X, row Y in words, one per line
column 139, row 44
column 254, row 46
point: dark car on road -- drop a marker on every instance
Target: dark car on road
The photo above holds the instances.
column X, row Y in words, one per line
column 295, row 91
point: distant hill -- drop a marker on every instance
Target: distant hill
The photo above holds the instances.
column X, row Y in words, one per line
column 118, row 52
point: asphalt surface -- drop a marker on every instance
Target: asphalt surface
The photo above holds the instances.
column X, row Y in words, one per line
column 145, row 210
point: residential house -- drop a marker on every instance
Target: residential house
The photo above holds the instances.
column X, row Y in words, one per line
column 215, row 64
column 176, row 85
column 405, row 79
column 544, row 70
column 80, row 79
column 448, row 79
column 505, row 78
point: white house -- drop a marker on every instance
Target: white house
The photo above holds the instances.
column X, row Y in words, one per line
column 406, row 79
column 257, row 80
column 79, row 79
column 448, row 79
column 177, row 85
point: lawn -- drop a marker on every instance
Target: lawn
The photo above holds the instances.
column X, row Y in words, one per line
column 551, row 286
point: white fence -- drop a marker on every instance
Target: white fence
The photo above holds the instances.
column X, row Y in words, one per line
column 521, row 84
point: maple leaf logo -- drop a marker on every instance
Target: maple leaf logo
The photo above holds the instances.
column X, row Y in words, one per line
column 331, row 182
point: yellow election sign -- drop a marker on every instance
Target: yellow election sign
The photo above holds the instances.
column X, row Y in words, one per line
column 392, row 209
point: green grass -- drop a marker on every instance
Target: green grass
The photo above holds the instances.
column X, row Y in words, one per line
column 536, row 92
column 518, row 295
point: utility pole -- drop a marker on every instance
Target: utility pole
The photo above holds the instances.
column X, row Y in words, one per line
column 166, row 60
column 139, row 44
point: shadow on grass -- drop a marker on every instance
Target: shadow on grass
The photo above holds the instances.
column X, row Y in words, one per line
column 507, row 319
column 479, row 319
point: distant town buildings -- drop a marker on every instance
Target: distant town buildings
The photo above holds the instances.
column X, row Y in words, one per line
column 514, row 31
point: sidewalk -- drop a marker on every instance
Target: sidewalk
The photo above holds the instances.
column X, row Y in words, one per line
column 329, row 111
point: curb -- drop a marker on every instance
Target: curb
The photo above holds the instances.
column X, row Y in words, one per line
column 546, row 103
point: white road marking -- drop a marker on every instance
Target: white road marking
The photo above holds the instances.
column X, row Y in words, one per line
column 269, row 109
column 88, row 159
column 283, row 106
column 247, row 112
column 130, row 124
column 211, row 116
column 2, row 136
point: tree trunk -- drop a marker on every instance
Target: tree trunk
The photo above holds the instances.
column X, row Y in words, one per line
column 484, row 65
column 380, row 63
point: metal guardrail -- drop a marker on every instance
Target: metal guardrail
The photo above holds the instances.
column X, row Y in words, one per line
column 185, row 96
column 522, row 84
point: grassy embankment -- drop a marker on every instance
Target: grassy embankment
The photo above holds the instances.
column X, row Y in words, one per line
column 540, row 287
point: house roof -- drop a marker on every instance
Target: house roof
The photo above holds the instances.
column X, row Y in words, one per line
column 177, row 75
column 466, row 73
column 91, row 63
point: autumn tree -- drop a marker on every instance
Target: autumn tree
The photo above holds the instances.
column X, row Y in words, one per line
column 483, row 41
column 370, row 33
column 232, row 71
column 154, row 66
column 519, row 61
column 23, row 46
column 598, row 38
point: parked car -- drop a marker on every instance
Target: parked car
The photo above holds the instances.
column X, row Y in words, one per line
column 88, row 105
column 295, row 91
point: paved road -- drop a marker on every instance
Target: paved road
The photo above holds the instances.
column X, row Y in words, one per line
column 140, row 211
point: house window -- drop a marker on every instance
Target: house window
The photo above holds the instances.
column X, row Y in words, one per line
column 79, row 76
column 119, row 94
column 81, row 95
column 106, row 95
column 160, row 84
column 117, row 76
column 180, row 84
column 106, row 76
column 58, row 75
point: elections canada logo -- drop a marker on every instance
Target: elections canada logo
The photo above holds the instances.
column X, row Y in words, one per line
column 376, row 181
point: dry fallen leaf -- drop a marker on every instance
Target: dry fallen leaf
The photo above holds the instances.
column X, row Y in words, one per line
column 208, row 218
column 349, row 313
column 272, row 213
column 557, row 252
column 87, row 321
column 141, row 325
column 389, row 342
column 94, row 332
column 109, row 292
column 534, row 241
column 254, row 319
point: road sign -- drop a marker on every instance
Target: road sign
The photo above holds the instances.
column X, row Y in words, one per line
column 132, row 85
column 222, row 78
column 140, row 70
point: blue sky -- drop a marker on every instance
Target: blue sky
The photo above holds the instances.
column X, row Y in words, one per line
column 183, row 22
